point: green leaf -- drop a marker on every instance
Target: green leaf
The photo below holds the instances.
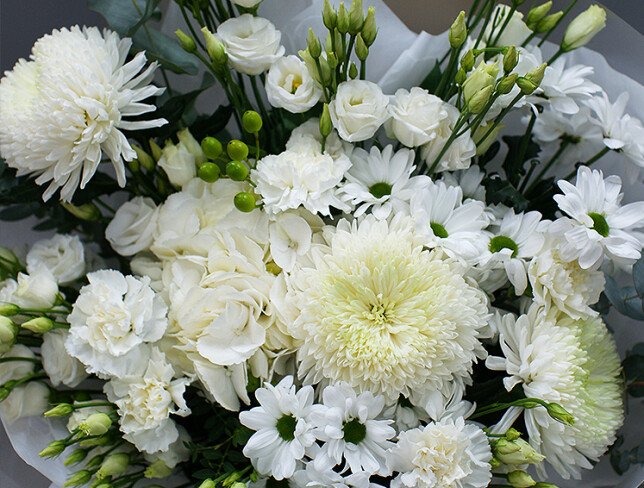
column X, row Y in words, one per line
column 17, row 212
column 516, row 158
column 499, row 190
column 166, row 50
column 123, row 15
column 626, row 300
column 431, row 81
column 634, row 374
column 638, row 276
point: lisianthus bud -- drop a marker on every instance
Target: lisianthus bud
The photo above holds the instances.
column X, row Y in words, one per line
column 215, row 48
column 460, row 76
column 96, row 424
column 482, row 77
column 60, row 410
column 356, row 17
column 76, row 457
column 584, row 27
column 353, row 71
column 158, row 469
column 208, row 484
column 369, row 29
column 343, row 19
column 510, row 59
column 9, row 309
column 332, row 61
column 362, row 51
column 559, row 413
column 329, row 16
column 326, row 125
column 537, row 13
column 113, row 465
column 520, row 479
column 78, row 479
column 144, row 158
column 187, row 42
column 87, row 211
column 477, row 102
column 8, row 333
column 458, row 31
column 482, row 145
column 238, row 484
column 39, row 325
column 531, row 81
column 467, row 61
column 512, row 434
column 157, row 152
column 313, row 44
column 549, row 22
column 506, row 84
column 542, row 484
column 53, row 449
column 516, row 452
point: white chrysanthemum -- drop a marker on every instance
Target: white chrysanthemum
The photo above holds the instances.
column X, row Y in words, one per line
column 382, row 181
column 447, row 453
column 382, row 313
column 284, row 433
column 63, row 109
column 574, row 364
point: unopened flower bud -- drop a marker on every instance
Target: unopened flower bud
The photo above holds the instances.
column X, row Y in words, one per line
column 158, row 469
column 332, row 61
column 53, row 449
column 76, row 457
column 238, row 484
column 252, row 122
column 9, row 262
column 8, row 333
column 215, row 48
column 78, row 479
column 537, row 13
column 9, row 309
column 506, row 84
column 343, row 19
column 208, row 484
column 467, row 61
column 356, row 17
column 584, row 27
column 313, row 44
column 482, row 78
column 329, row 16
column 362, row 51
column 483, row 130
column 512, row 434
column 477, row 103
column 113, row 465
column 156, row 150
column 187, row 42
column 458, row 31
column 326, row 126
column 510, row 59
column 531, row 81
column 460, row 76
column 353, row 71
column 95, row 462
column 559, row 413
column 549, row 22
column 39, row 325
column 96, row 424
column 144, row 158
column 542, row 484
column 88, row 211
column 516, row 452
column 60, row 410
column 520, row 479
column 370, row 29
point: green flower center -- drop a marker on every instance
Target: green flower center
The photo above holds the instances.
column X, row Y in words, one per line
column 439, row 230
column 286, row 427
column 502, row 242
column 599, row 224
column 354, row 431
column 380, row 190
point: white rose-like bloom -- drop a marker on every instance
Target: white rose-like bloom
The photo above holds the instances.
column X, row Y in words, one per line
column 63, row 255
column 574, row 364
column 358, row 110
column 133, row 226
column 514, row 33
column 179, row 161
column 145, row 404
column 59, row 365
column 112, row 322
column 37, row 289
column 447, row 453
column 252, row 43
column 63, row 110
column 382, row 313
column 290, row 86
column 415, row 116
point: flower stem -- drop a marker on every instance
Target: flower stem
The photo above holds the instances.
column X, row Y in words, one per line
column 562, row 147
column 589, row 163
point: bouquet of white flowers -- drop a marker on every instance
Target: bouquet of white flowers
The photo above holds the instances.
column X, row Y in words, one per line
column 318, row 284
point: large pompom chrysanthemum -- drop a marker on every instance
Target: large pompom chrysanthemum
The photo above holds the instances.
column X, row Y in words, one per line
column 60, row 111
column 382, row 313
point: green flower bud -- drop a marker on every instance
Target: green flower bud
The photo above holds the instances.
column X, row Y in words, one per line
column 467, row 61
column 313, row 44
column 482, row 145
column 96, row 424
column 329, row 16
column 88, row 211
column 103, row 484
column 483, row 77
column 516, row 452
column 237, row 171
column 477, row 103
column 460, row 76
column 158, row 469
column 97, row 441
column 60, row 410
column 209, row 172
column 187, row 42
column 332, row 60
column 156, row 150
column 95, row 462
column 369, row 28
column 520, row 479
column 362, row 51
column 458, row 31
column 340, row 54
column 238, row 485
column 78, row 479
column 135, row 165
column 39, row 325
column 76, row 457
column 559, row 413
column 208, row 484
column 113, row 465
column 8, row 333
column 510, row 59
column 9, row 310
column 53, row 449
column 214, row 47
column 353, row 71
column 245, row 202
column 144, row 158
column 542, row 484
column 211, row 147
column 549, row 22
column 536, row 75
column 328, row 45
column 583, row 28
column 506, row 84
column 537, row 13
column 252, row 122
column 343, row 19
column 326, row 126
column 356, row 17
column 9, row 261
column 512, row 434
column 326, row 71
column 237, row 150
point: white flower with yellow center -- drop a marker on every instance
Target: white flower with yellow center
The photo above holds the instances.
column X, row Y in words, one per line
column 574, row 364
column 382, row 313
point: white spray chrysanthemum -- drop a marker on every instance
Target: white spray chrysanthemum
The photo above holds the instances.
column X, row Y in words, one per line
column 574, row 364
column 63, row 110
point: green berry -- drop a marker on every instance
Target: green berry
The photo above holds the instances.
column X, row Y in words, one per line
column 211, row 147
column 245, row 202
column 237, row 150
column 252, row 122
column 209, row 172
column 237, row 171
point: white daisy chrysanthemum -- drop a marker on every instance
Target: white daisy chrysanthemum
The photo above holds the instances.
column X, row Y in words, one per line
column 382, row 313
column 311, row 477
column 349, row 427
column 382, row 181
column 283, row 431
column 447, row 453
column 66, row 107
column 574, row 364
column 448, row 223
column 598, row 225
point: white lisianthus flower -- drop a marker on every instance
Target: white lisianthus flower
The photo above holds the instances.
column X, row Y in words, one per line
column 300, row 178
column 444, row 453
column 112, row 323
column 515, row 32
column 574, row 364
column 37, row 289
column 415, row 116
column 133, row 226
column 252, row 43
column 358, row 110
column 145, row 403
column 290, row 236
column 446, row 222
column 284, row 433
column 66, row 107
column 461, row 151
column 563, row 286
column 351, row 429
column 59, row 365
column 63, row 255
column 30, row 400
column 382, row 313
column 180, row 161
column 597, row 225
column 382, row 181
column 290, row 86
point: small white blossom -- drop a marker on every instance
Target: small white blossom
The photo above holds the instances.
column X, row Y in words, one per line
column 290, row 86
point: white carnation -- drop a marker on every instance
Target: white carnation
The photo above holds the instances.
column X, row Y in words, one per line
column 133, row 226
column 63, row 255
column 358, row 110
column 290, row 86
